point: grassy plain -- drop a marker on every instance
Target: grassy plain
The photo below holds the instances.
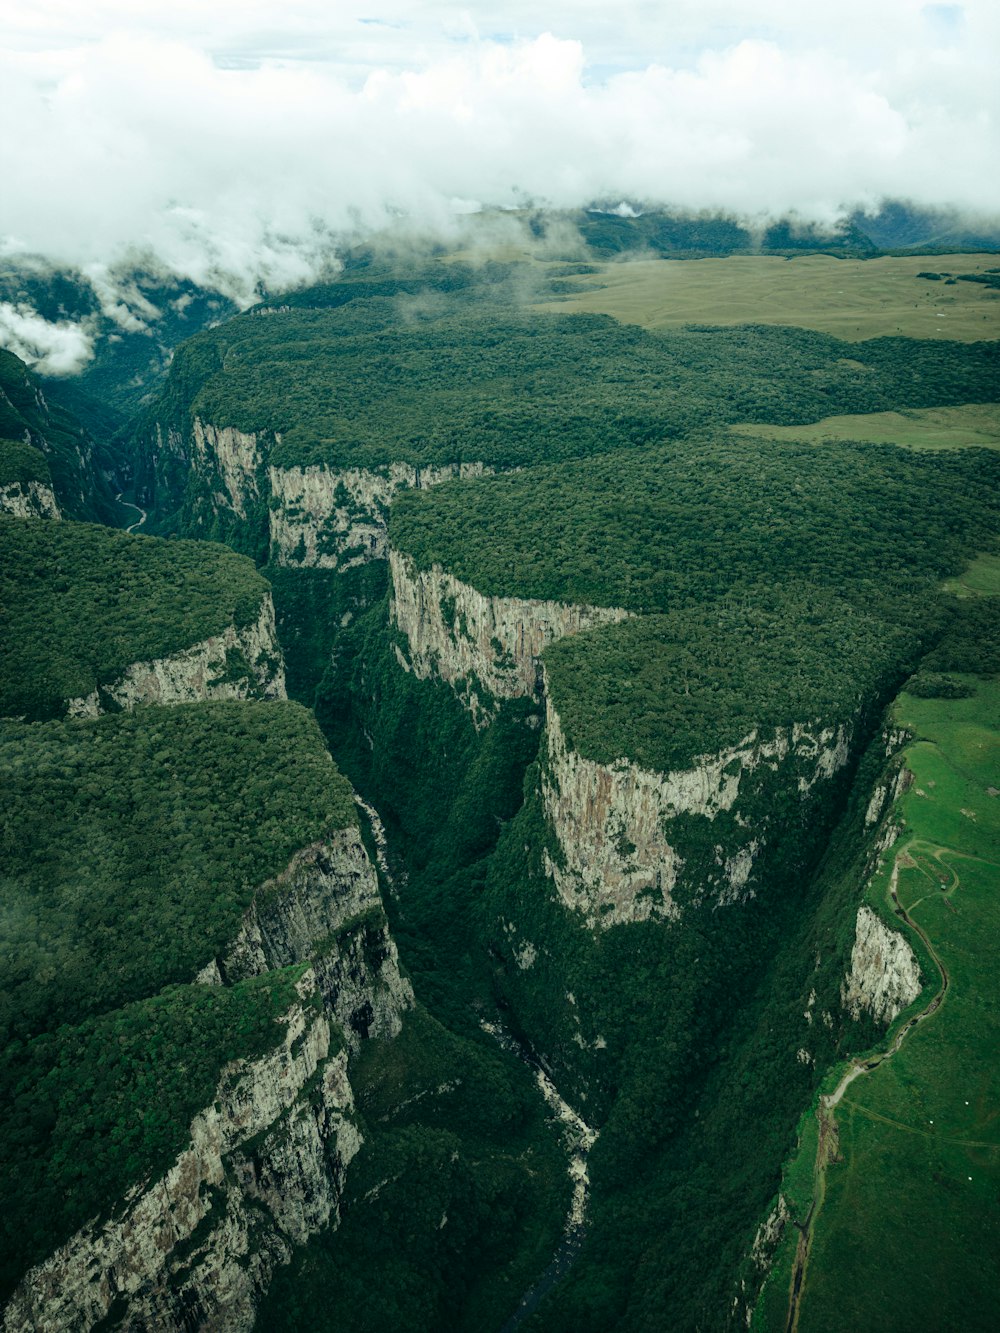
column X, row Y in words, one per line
column 973, row 425
column 853, row 299
column 909, row 1233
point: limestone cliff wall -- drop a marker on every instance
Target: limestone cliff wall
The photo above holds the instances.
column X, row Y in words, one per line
column 618, row 859
column 265, row 1165
column 28, row 499
column 326, row 907
column 263, row 1170
column 884, row 976
column 330, row 518
column 203, row 671
column 458, row 635
column 233, row 455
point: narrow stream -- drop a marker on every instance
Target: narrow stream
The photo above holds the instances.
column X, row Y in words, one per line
column 126, row 504
column 579, row 1138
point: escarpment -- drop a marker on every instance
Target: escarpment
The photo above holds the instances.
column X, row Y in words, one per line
column 240, row 663
column 456, row 634
column 265, row 1164
column 622, row 854
column 330, row 518
column 195, row 1249
column 28, row 499
column 325, row 907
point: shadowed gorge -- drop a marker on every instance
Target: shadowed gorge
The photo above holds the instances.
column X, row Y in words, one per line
column 459, row 845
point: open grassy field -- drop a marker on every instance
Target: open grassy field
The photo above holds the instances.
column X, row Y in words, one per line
column 853, row 299
column 909, row 1232
column 971, row 426
column 982, row 578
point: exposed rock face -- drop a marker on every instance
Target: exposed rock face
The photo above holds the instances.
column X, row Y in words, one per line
column 265, row 1166
column 235, row 455
column 884, row 976
column 28, row 499
column 236, row 664
column 326, row 906
column 460, row 636
column 328, row 518
column 263, row 1170
column 617, row 862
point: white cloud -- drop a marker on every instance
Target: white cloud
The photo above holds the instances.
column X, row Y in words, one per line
column 62, row 348
column 233, row 141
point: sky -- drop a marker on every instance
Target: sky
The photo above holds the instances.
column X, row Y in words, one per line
column 236, row 143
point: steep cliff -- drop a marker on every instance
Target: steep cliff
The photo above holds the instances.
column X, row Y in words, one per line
column 325, row 907
column 264, row 1168
column 617, row 858
column 239, row 663
column 473, row 642
column 884, row 976
column 196, row 1247
column 28, row 499
column 329, row 518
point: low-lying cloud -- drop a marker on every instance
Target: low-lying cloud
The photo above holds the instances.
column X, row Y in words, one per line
column 243, row 159
column 53, row 348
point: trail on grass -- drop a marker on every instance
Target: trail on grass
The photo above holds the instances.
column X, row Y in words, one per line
column 826, row 1148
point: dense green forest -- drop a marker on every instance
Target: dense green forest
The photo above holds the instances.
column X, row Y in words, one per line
column 20, row 462
column 772, row 583
column 663, row 689
column 672, row 525
column 134, row 843
column 412, row 379
column 95, row 1106
column 79, row 603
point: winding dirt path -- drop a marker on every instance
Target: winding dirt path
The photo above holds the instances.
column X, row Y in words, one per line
column 828, row 1134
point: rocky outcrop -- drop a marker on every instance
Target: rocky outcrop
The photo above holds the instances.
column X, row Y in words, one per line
column 617, row 860
column 326, row 907
column 474, row 642
column 263, row 1171
column 334, row 518
column 28, row 499
column 239, row 663
column 235, row 457
column 885, row 976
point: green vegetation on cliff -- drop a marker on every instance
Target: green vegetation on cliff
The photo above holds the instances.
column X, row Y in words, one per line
column 672, row 525
column 94, row 1107
column 425, row 382
column 663, row 689
column 20, row 462
column 134, row 843
column 79, row 603
column 77, row 465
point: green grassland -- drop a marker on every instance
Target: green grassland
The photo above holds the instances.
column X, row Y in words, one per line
column 981, row 577
column 971, row 426
column 853, row 299
column 134, row 843
column 79, row 603
column 910, row 1222
column 20, row 462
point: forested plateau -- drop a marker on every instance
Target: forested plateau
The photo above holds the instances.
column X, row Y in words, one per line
column 510, row 835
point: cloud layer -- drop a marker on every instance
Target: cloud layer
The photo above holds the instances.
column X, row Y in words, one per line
column 235, row 142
